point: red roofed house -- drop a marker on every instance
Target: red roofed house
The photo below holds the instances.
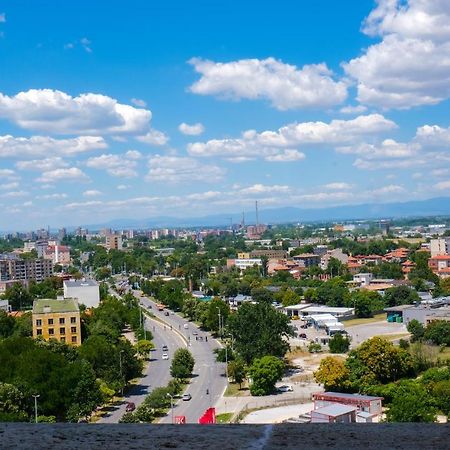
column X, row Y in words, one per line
column 440, row 265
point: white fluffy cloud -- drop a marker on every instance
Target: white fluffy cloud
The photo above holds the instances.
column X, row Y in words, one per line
column 338, row 186
column 91, row 193
column 70, row 174
column 442, row 186
column 411, row 65
column 284, row 85
column 10, row 185
column 56, row 112
column 7, row 174
column 191, row 130
column 154, row 137
column 56, row 196
column 115, row 165
column 21, row 147
column 175, row 169
column 277, row 145
column 43, row 165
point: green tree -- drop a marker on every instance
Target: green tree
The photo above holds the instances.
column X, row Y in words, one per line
column 339, row 344
column 265, row 372
column 290, row 298
column 237, row 371
column 400, row 295
column 416, row 329
column 144, row 347
column 7, row 324
column 378, row 361
column 19, row 297
column 12, row 404
column 23, row 326
column 411, row 403
column 182, row 364
column 262, row 295
column 333, row 374
column 438, row 332
column 333, row 293
column 259, row 330
column 366, row 302
column 216, row 305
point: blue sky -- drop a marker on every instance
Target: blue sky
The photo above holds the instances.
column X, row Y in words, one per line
column 177, row 108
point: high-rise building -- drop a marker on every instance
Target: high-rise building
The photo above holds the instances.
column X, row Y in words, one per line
column 440, row 246
column 113, row 242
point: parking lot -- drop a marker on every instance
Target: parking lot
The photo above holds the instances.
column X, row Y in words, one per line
column 357, row 333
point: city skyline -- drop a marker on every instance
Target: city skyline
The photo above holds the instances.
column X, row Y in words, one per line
column 189, row 110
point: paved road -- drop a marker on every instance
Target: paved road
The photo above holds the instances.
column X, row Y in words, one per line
column 208, row 374
column 157, row 373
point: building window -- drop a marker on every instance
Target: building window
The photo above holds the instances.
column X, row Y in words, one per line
column 51, row 331
column 63, row 339
column 62, row 331
column 73, row 320
column 74, row 339
column 50, row 321
column 39, row 322
column 73, row 329
column 39, row 332
column 62, row 321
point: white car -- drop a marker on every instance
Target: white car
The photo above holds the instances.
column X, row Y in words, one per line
column 185, row 326
column 285, row 388
column 165, row 356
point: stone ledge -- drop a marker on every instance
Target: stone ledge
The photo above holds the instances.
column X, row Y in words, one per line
column 224, row 437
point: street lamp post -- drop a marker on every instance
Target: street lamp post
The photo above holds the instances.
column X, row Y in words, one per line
column 171, row 404
column 120, row 363
column 35, row 407
column 218, row 309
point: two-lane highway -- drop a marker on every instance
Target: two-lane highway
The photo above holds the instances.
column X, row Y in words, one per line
column 157, row 373
column 209, row 381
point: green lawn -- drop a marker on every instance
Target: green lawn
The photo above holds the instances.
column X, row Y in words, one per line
column 234, row 391
column 375, row 318
column 224, row 418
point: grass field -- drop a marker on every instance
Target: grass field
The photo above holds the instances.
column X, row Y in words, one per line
column 224, row 418
column 234, row 391
column 375, row 318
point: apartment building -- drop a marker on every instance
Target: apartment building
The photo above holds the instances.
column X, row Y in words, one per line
column 440, row 246
column 14, row 268
column 57, row 319
column 113, row 242
column 440, row 265
column 58, row 254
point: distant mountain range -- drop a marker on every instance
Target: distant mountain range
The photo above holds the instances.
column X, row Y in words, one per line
column 431, row 207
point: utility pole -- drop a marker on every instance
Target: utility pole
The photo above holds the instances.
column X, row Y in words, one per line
column 35, row 407
column 171, row 404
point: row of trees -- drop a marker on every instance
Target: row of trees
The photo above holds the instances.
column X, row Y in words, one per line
column 70, row 381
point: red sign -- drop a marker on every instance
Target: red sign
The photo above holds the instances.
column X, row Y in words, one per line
column 209, row 416
column 179, row 420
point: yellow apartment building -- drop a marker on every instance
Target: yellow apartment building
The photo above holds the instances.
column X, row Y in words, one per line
column 57, row 319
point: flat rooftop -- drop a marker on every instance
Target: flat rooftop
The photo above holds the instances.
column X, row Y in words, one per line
column 346, row 395
column 56, row 306
column 80, row 283
column 335, row 410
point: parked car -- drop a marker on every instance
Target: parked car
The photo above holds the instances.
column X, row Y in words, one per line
column 302, row 335
column 185, row 326
column 195, row 332
column 165, row 348
column 186, row 397
column 165, row 356
column 166, row 313
column 130, row 407
column 285, row 388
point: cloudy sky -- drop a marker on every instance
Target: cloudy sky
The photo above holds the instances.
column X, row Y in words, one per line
column 186, row 108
